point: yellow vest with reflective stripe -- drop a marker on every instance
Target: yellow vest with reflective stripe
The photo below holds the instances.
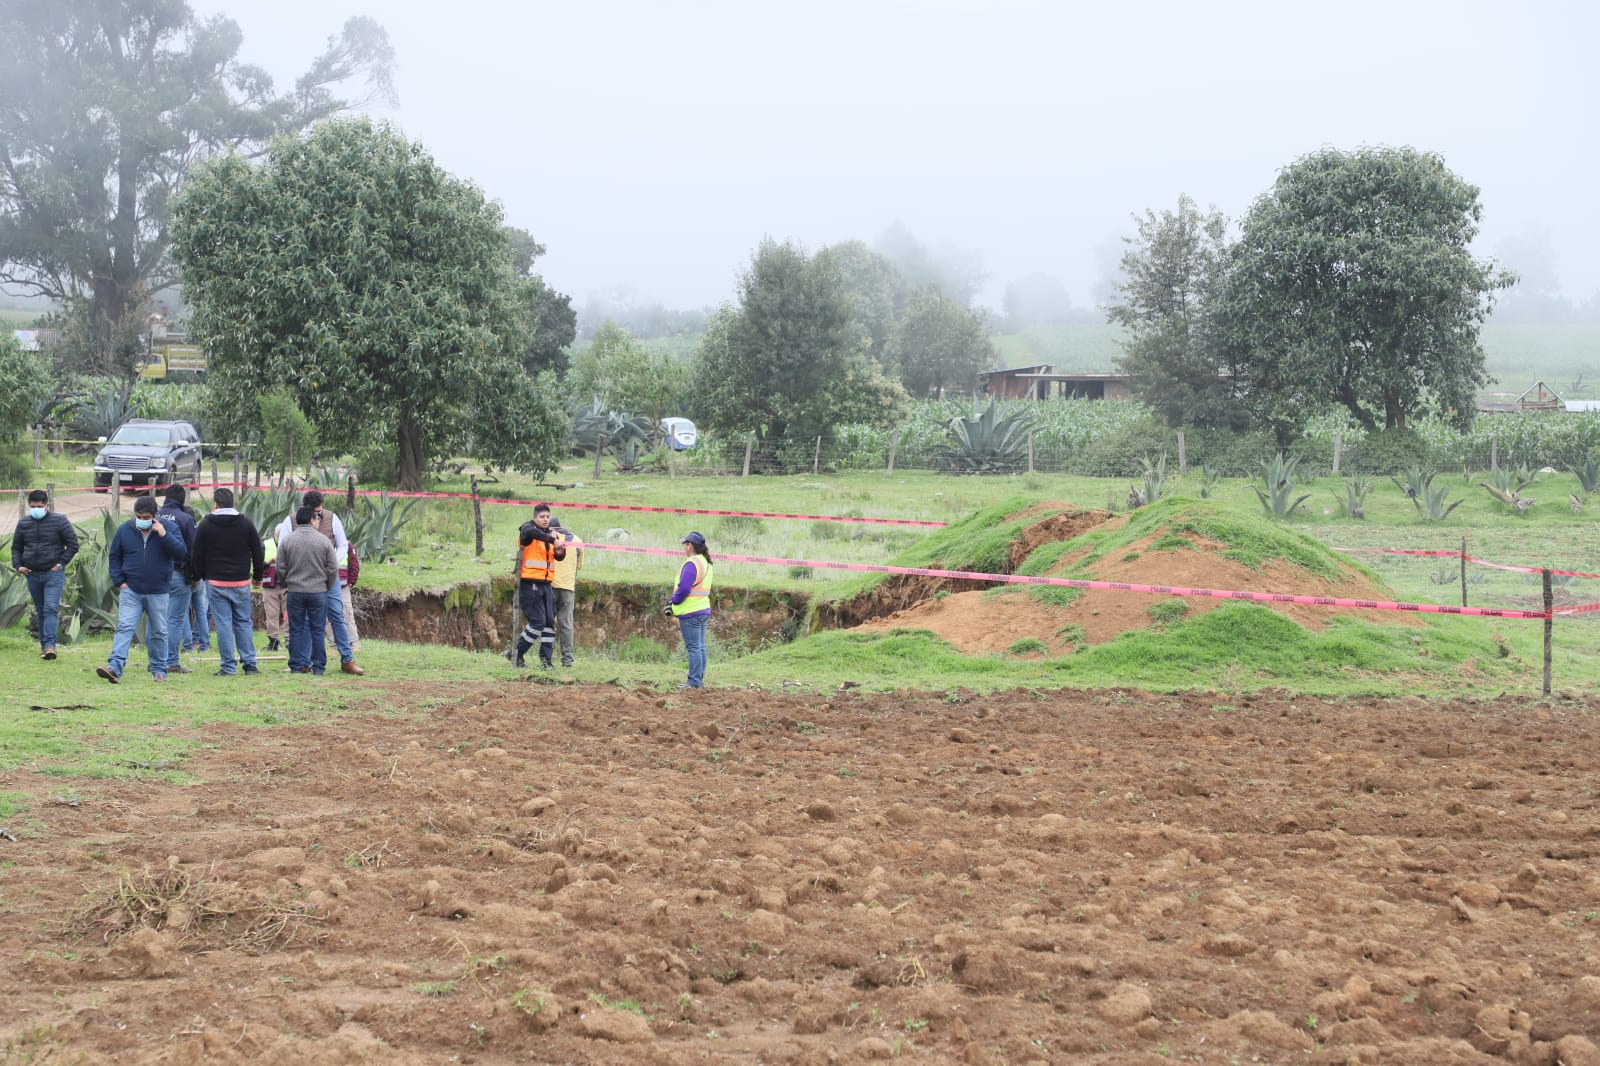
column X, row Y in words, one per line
column 699, row 598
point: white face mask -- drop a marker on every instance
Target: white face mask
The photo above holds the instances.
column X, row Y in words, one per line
column 36, row 512
column 144, row 523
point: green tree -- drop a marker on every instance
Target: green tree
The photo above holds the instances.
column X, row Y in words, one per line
column 938, row 345
column 629, row 376
column 1353, row 284
column 107, row 103
column 1177, row 361
column 376, row 288
column 555, row 324
column 27, row 387
column 785, row 364
column 287, row 437
column 877, row 294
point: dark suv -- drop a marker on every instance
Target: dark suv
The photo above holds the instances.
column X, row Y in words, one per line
column 145, row 451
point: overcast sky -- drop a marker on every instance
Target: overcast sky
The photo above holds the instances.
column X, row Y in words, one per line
column 652, row 144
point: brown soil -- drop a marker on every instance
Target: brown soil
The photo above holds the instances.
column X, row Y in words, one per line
column 995, row 619
column 597, row 875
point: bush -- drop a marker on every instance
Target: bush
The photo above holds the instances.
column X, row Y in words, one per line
column 1120, row 452
column 377, row 464
column 1390, row 452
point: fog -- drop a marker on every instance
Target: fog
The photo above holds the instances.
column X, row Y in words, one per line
column 651, row 146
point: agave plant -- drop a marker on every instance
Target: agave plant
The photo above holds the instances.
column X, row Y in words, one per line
column 1416, row 482
column 1431, row 501
column 987, row 442
column 1588, row 474
column 267, row 507
column 14, row 598
column 375, row 526
column 1278, row 473
column 1155, row 483
column 89, row 600
column 1208, row 482
column 624, row 436
column 1354, row 501
column 99, row 413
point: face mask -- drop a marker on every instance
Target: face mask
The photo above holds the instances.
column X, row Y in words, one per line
column 36, row 512
column 144, row 523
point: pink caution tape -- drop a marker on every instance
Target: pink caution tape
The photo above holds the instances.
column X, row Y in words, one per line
column 1113, row 586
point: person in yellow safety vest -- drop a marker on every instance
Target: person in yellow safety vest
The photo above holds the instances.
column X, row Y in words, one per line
column 565, row 584
column 540, row 550
column 691, row 605
column 272, row 595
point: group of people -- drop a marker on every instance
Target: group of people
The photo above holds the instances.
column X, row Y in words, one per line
column 162, row 560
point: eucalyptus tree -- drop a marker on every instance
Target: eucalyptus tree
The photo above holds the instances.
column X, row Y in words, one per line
column 104, row 107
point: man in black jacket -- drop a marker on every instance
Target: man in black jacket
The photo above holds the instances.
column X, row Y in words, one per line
column 229, row 557
column 176, row 515
column 41, row 548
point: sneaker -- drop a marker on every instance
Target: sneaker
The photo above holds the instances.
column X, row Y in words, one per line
column 179, row 669
column 250, row 668
column 48, row 653
column 224, row 673
column 158, row 677
column 350, row 668
column 108, row 673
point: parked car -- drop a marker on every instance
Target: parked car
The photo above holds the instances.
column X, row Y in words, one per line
column 148, row 452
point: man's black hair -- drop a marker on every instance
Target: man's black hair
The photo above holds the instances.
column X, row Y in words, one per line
column 224, row 497
column 312, row 499
column 305, row 516
column 38, row 496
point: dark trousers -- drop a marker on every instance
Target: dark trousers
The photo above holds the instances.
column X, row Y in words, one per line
column 538, row 602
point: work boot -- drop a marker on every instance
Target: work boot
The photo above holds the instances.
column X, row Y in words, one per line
column 272, row 644
column 351, row 668
column 49, row 653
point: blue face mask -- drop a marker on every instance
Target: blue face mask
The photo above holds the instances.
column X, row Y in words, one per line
column 144, row 523
column 36, row 512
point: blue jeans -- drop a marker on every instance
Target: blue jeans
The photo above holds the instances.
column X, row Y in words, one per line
column 308, row 613
column 200, row 632
column 341, row 635
column 179, row 593
column 235, row 635
column 693, row 629
column 130, row 605
column 45, row 587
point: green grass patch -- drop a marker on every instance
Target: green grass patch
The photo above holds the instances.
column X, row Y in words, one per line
column 1029, row 646
column 1167, row 612
column 1054, row 595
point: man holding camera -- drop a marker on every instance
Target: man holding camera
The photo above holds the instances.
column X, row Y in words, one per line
column 541, row 549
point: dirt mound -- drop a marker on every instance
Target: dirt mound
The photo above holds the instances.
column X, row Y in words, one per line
column 1061, row 620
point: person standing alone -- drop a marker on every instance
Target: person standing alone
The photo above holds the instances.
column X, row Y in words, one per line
column 228, row 556
column 41, row 548
column 690, row 604
column 536, row 563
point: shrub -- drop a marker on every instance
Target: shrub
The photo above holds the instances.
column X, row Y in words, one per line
column 642, row 649
column 1120, row 452
column 1391, row 451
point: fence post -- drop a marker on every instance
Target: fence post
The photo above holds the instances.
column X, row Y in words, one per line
column 1549, row 621
column 1463, row 571
column 816, row 456
column 477, row 517
column 1183, row 454
column 214, row 477
column 38, row 447
column 1338, row 448
column 1494, row 454
column 749, row 445
column 22, row 503
column 599, row 450
column 1030, row 451
column 50, row 494
column 894, row 443
column 237, row 481
column 350, row 496
column 116, row 496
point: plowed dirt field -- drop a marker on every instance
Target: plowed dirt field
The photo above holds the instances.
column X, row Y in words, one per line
column 550, row 874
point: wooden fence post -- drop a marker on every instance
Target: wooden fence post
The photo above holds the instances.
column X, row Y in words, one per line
column 749, row 445
column 22, row 503
column 1030, row 451
column 1549, row 620
column 599, row 451
column 50, row 494
column 237, row 481
column 894, row 443
column 38, row 447
column 1183, row 454
column 1494, row 454
column 477, row 517
column 816, row 456
column 1463, row 571
column 350, row 495
column 1338, row 449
